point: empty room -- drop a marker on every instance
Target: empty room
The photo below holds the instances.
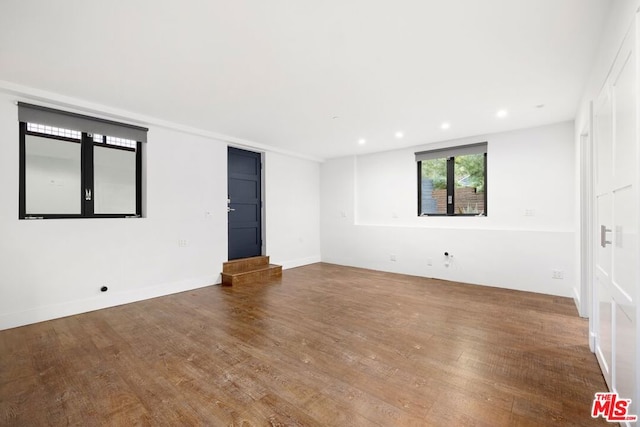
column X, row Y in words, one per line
column 319, row 213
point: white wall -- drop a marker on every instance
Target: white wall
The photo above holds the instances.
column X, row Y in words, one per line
column 369, row 212
column 292, row 189
column 54, row 268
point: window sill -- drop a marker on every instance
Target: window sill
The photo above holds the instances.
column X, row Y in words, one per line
column 453, row 216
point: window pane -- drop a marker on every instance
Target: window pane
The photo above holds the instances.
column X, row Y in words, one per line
column 52, row 176
column 114, row 181
column 433, row 186
column 469, row 184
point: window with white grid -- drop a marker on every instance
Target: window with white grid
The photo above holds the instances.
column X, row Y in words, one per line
column 115, row 141
column 51, row 130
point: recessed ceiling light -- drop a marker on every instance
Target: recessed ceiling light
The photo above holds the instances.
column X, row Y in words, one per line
column 445, row 125
column 399, row 134
column 362, row 141
column 540, row 106
column 501, row 114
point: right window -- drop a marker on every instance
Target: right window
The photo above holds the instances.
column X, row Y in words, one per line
column 453, row 181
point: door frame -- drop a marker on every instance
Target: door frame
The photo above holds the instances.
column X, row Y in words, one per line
column 586, row 177
column 263, row 202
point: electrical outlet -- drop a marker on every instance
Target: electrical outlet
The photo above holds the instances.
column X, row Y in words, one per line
column 557, row 274
column 429, row 262
column 183, row 243
column 392, row 257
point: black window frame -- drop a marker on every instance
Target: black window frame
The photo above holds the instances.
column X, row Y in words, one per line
column 450, row 154
column 87, row 169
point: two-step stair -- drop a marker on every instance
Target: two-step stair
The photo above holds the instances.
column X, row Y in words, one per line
column 249, row 270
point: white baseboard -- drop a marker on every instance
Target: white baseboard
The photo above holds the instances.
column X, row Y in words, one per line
column 299, row 262
column 70, row 308
column 55, row 311
column 576, row 301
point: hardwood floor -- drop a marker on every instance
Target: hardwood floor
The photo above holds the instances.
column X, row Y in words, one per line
column 326, row 345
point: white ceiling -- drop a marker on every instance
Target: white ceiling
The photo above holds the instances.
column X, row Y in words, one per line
column 277, row 72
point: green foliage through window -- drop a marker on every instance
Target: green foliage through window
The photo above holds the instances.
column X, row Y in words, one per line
column 465, row 167
column 469, row 171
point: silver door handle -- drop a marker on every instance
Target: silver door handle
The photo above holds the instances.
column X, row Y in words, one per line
column 603, row 236
column 87, row 194
column 230, row 209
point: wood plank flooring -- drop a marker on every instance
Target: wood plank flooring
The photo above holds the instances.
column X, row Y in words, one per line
column 325, row 345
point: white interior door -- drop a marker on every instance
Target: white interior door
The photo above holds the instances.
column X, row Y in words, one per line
column 616, row 255
column 603, row 302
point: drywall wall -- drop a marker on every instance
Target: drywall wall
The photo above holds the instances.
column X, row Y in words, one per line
column 54, row 268
column 292, row 210
column 369, row 215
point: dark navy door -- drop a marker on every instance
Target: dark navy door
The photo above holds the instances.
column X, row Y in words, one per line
column 244, row 169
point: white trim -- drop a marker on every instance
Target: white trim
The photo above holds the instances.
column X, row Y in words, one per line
column 586, row 217
column 75, row 105
column 300, row 262
column 604, row 367
column 103, row 300
column 576, row 300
